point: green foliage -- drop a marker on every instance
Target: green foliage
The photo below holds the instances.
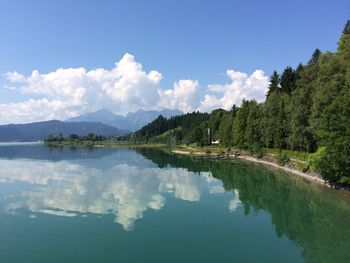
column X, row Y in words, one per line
column 346, row 30
column 302, row 156
column 305, row 109
column 288, row 80
column 315, row 57
column 316, row 159
column 282, row 158
column 257, row 150
column 187, row 122
column 246, row 130
column 274, row 83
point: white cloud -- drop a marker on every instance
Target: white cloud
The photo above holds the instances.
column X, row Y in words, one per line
column 183, row 96
column 14, row 76
column 73, row 91
column 68, row 92
column 243, row 86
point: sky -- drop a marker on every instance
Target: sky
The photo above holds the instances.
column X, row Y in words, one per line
column 59, row 59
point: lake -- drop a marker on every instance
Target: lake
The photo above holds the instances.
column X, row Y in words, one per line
column 145, row 205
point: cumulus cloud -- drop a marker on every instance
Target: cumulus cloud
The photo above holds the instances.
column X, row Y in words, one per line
column 72, row 91
column 243, row 86
column 68, row 92
column 184, row 96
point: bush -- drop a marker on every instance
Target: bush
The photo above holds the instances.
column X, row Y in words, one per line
column 257, row 151
column 316, row 159
column 332, row 162
column 282, row 158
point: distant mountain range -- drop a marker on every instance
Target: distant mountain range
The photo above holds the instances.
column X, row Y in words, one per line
column 102, row 122
column 131, row 122
column 40, row 130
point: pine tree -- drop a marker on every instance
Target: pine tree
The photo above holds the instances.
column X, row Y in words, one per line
column 299, row 68
column 346, row 30
column 344, row 46
column 288, row 80
column 274, row 83
column 315, row 57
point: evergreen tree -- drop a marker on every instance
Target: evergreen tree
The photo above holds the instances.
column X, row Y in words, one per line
column 288, row 80
column 306, row 109
column 315, row 57
column 274, row 83
column 346, row 30
column 300, row 67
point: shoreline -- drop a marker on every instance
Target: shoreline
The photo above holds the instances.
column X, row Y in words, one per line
column 311, row 178
column 256, row 160
column 287, row 169
column 316, row 178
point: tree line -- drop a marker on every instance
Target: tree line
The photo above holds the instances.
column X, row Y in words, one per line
column 91, row 137
column 307, row 109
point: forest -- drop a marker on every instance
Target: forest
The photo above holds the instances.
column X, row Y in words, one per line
column 307, row 109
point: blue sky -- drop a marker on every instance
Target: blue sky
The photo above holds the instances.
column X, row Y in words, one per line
column 183, row 40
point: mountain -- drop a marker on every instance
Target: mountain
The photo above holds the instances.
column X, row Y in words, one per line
column 136, row 120
column 40, row 130
column 131, row 122
column 102, row 115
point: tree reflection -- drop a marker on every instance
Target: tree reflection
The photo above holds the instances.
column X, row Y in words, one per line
column 315, row 218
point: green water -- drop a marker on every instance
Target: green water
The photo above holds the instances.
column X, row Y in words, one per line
column 119, row 205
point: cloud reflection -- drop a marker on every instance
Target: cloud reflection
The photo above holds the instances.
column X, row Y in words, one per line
column 70, row 189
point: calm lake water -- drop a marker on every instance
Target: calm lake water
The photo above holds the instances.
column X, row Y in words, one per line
column 144, row 205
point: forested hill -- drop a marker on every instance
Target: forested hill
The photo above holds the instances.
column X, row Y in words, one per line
column 307, row 108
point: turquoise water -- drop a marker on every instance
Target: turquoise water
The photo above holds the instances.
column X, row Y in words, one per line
column 120, row 205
